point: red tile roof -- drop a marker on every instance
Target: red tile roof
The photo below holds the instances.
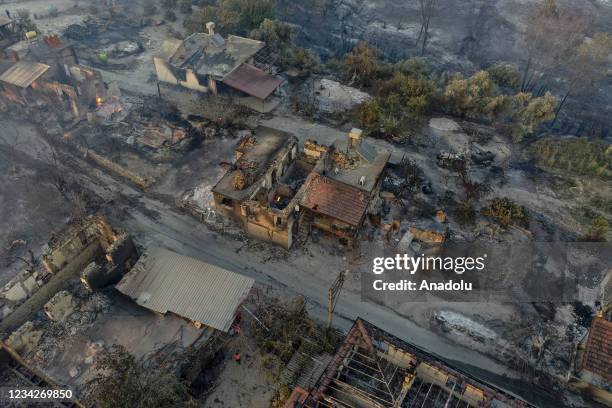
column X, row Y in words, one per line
column 598, row 354
column 334, row 199
column 253, row 81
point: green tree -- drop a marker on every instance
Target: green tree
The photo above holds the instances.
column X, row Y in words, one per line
column 227, row 20
column 362, row 64
column 599, row 230
column 476, row 97
column 400, row 105
column 412, row 66
column 122, row 381
column 529, row 113
column 276, row 34
column 507, row 212
column 232, row 16
column 252, row 12
column 574, row 156
column 505, row 76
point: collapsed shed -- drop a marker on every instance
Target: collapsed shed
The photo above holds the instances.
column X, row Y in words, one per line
column 164, row 281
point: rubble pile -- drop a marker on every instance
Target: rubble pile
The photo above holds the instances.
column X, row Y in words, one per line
column 103, row 30
column 18, row 290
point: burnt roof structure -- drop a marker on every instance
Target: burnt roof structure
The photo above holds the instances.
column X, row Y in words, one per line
column 165, row 281
column 355, row 162
column 374, row 369
column 257, row 155
column 598, row 353
column 211, row 54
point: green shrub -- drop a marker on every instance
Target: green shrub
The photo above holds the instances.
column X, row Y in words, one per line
column 506, row 212
column 361, row 65
column 505, row 76
column 574, row 156
column 412, row 66
column 399, row 106
column 599, row 230
column 465, row 213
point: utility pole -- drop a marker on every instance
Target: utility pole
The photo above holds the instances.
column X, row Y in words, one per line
column 332, row 296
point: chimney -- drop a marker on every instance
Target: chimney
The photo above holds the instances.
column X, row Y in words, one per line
column 354, row 138
column 210, row 26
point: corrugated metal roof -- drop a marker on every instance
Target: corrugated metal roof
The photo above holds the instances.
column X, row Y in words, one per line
column 253, row 81
column 337, row 200
column 598, row 352
column 165, row 281
column 23, row 73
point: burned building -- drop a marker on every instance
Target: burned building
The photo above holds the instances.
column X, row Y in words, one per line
column 374, row 369
column 47, row 74
column 274, row 189
column 345, row 184
column 209, row 63
column 8, row 33
column 259, row 189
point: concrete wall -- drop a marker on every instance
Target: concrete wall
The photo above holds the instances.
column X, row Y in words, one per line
column 164, row 73
column 330, row 225
column 259, row 221
column 58, row 257
column 280, row 237
column 192, row 82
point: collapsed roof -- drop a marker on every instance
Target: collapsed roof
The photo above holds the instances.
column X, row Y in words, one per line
column 263, row 149
column 211, row 54
column 164, row 281
column 359, row 164
column 374, row 369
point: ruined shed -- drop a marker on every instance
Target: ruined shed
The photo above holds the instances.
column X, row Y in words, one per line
column 24, row 73
column 164, row 281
